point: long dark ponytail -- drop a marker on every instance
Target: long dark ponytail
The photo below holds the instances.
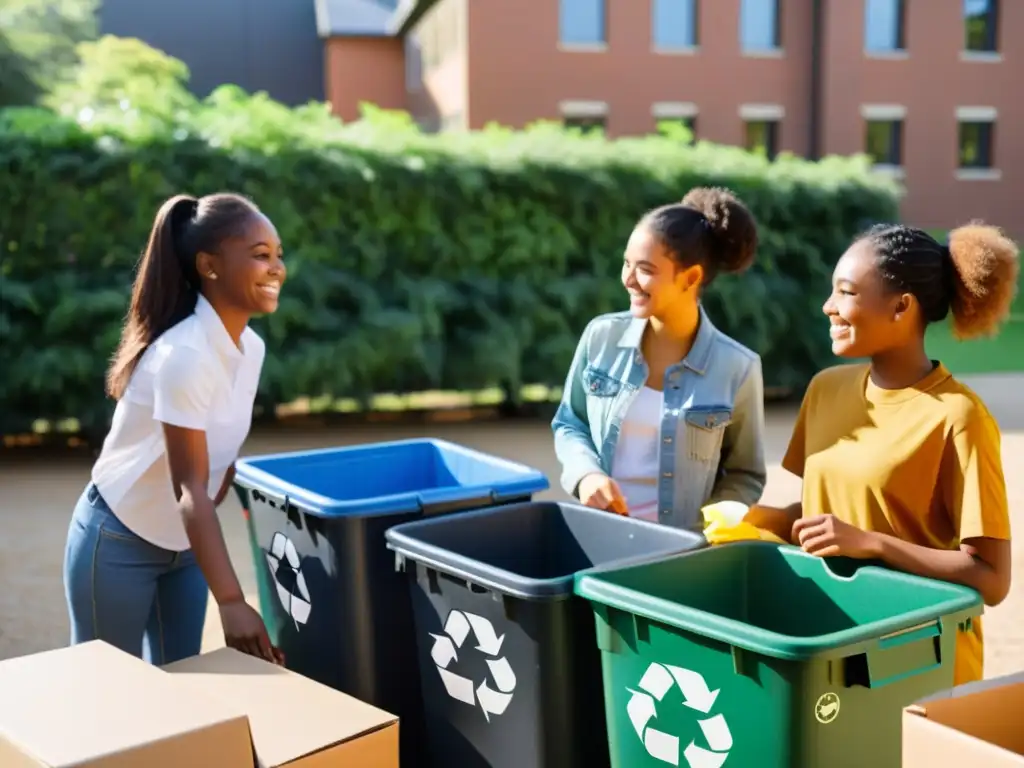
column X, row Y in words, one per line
column 167, row 283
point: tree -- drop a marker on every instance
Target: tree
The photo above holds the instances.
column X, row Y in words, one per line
column 46, row 34
column 18, row 86
column 125, row 79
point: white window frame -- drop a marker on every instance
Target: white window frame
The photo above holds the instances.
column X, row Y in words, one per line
column 982, row 57
column 887, row 113
column 762, row 112
column 977, row 114
column 893, row 53
column 778, row 51
column 683, row 50
column 600, row 46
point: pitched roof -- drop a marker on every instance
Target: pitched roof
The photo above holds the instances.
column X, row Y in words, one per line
column 354, row 17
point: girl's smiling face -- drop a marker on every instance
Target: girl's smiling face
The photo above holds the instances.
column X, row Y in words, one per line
column 656, row 283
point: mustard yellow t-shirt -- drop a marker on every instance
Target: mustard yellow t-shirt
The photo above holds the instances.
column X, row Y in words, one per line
column 922, row 464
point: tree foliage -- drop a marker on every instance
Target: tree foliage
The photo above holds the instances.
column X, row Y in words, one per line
column 416, row 261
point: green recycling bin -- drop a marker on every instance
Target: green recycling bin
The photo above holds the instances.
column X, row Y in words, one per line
column 758, row 654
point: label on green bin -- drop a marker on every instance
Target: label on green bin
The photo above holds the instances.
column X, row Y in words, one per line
column 667, row 748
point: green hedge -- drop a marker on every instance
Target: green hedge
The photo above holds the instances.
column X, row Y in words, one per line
column 416, row 262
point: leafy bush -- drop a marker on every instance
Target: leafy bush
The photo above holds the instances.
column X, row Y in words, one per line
column 415, row 261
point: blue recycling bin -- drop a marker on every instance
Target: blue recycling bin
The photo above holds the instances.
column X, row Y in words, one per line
column 328, row 588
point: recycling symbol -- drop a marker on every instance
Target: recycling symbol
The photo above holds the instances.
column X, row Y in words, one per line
column 642, row 708
column 492, row 701
column 286, row 567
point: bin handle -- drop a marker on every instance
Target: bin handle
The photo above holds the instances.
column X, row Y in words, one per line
column 910, row 634
column 441, row 502
column 929, row 633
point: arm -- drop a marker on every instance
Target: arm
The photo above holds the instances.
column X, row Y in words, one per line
column 982, row 564
column 188, row 460
column 974, row 491
column 781, row 520
column 573, row 445
column 225, row 486
column 183, row 392
column 743, row 462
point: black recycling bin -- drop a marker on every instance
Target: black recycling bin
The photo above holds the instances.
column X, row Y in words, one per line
column 328, row 589
column 511, row 676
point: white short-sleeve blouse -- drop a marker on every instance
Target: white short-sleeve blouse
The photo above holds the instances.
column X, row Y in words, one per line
column 192, row 376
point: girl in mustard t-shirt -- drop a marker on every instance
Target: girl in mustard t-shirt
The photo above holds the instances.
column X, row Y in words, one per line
column 900, row 461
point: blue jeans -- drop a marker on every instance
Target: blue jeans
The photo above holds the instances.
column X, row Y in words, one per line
column 143, row 599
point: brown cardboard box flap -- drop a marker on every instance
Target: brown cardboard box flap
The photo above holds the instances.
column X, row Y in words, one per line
column 93, row 705
column 976, row 724
column 290, row 716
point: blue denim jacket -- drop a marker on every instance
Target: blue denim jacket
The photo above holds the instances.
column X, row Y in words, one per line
column 712, row 433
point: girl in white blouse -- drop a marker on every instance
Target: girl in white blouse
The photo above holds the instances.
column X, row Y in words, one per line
column 145, row 547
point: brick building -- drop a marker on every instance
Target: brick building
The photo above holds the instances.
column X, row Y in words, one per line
column 926, row 88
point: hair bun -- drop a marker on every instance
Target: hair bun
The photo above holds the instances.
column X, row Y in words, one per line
column 985, row 268
column 730, row 224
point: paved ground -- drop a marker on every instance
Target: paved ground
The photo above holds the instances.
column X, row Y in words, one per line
column 37, row 498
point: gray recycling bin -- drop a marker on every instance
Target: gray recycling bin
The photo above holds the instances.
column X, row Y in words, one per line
column 510, row 674
column 327, row 584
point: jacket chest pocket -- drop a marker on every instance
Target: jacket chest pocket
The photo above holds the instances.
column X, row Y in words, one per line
column 705, row 430
column 597, row 383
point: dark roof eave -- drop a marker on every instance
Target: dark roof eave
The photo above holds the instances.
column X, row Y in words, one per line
column 407, row 14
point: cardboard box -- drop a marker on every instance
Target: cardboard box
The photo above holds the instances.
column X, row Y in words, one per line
column 93, row 706
column 294, row 721
column 978, row 724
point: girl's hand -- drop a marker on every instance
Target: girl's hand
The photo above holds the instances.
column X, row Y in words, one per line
column 244, row 631
column 601, row 492
column 828, row 536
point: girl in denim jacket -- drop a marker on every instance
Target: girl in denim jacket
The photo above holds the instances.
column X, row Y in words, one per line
column 662, row 413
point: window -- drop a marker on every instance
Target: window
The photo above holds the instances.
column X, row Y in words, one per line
column 588, row 124
column 759, row 25
column 674, row 24
column 884, row 25
column 588, row 116
column 582, row 22
column 762, row 137
column 977, row 144
column 883, row 142
column 669, row 126
column 981, row 26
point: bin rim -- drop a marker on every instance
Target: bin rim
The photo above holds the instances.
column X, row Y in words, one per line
column 962, row 603
column 527, row 481
column 399, row 539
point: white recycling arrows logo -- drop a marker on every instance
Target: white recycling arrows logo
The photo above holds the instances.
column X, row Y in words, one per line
column 286, row 567
column 642, row 708
column 492, row 701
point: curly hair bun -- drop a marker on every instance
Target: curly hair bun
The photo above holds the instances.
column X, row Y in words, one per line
column 986, row 266
column 732, row 226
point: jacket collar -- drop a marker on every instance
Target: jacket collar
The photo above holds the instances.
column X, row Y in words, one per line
column 700, row 353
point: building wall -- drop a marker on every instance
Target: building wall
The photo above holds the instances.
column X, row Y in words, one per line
column 436, row 66
column 518, row 71
column 358, row 69
column 931, row 81
column 260, row 45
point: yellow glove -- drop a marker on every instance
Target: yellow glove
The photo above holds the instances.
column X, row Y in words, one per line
column 723, row 523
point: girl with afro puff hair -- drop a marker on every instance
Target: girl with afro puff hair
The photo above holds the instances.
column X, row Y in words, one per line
column 901, row 462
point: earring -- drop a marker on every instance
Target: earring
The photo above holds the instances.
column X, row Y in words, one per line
column 212, row 276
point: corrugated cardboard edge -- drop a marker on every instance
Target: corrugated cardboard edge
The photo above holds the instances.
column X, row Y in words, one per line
column 928, row 738
column 957, row 747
